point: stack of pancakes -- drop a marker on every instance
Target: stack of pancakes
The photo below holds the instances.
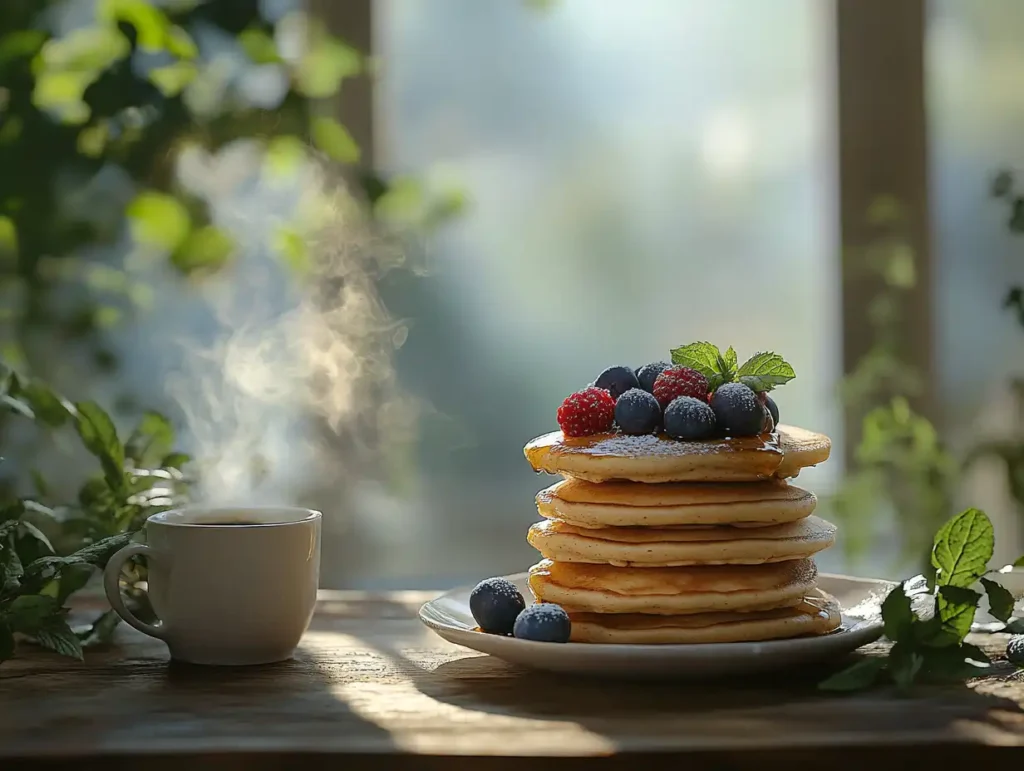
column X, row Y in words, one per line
column 652, row 540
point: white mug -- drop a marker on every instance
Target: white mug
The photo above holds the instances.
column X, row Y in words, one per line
column 230, row 586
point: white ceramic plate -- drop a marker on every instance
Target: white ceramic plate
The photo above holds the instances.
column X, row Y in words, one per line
column 860, row 599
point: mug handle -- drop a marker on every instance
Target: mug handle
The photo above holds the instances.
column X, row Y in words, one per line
column 111, row 583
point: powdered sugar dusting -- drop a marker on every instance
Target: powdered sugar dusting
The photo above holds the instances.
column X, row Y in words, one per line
column 628, row 446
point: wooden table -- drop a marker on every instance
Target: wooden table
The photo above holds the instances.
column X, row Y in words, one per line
column 372, row 688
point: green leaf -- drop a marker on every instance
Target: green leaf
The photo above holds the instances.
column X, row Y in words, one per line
column 334, row 139
column 1019, row 562
column 101, row 630
column 765, row 371
column 325, row 64
column 703, row 357
column 730, row 362
column 207, row 249
column 28, row 530
column 39, row 483
column 29, row 612
column 1015, row 627
column 955, row 607
column 1000, row 600
column 72, row 579
column 47, row 406
column 897, row 614
column 16, row 405
column 151, row 440
column 100, row 438
column 975, row 653
column 6, row 642
column 860, row 675
column 904, row 665
column 151, row 25
column 175, row 460
column 950, row 664
column 172, row 79
column 58, row 637
column 258, row 46
column 962, row 549
column 158, row 220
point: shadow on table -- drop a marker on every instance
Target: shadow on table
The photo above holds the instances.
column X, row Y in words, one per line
column 784, row 710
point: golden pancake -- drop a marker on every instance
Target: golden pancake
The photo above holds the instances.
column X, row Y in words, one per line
column 583, row 587
column 816, row 614
column 649, row 458
column 633, row 504
column 670, row 547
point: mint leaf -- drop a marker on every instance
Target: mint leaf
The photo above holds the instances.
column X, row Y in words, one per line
column 955, row 607
column 1000, row 601
column 897, row 614
column 101, row 630
column 73, row 578
column 702, row 357
column 904, row 664
column 1019, row 562
column 975, row 653
column 175, row 460
column 950, row 664
column 29, row 612
column 860, row 675
column 151, row 440
column 765, row 371
column 6, row 642
column 58, row 637
column 46, row 405
column 100, row 438
column 962, row 549
column 730, row 360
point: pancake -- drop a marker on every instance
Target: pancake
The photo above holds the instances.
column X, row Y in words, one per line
column 667, row 547
column 816, row 614
column 633, row 504
column 583, row 587
column 651, row 458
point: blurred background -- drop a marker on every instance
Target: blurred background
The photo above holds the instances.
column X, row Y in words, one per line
column 358, row 251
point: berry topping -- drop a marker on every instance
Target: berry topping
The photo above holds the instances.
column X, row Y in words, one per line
column 495, row 604
column 738, row 411
column 587, row 412
column 617, row 380
column 689, row 418
column 543, row 622
column 1014, row 650
column 773, row 408
column 648, row 373
column 680, row 381
column 637, row 412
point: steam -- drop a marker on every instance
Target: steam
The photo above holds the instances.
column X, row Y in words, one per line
column 298, row 373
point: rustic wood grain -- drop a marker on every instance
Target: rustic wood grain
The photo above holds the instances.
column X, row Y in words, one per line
column 370, row 681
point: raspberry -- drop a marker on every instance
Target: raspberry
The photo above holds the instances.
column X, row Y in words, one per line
column 680, row 381
column 587, row 412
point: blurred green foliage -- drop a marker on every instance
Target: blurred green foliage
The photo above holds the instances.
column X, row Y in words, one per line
column 121, row 92
column 899, row 464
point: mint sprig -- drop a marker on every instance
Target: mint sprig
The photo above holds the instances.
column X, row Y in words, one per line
column 765, row 371
column 928, row 642
column 761, row 372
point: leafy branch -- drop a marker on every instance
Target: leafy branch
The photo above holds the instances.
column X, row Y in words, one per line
column 761, row 372
column 928, row 625
column 139, row 477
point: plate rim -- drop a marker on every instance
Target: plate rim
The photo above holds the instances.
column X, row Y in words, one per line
column 860, row 627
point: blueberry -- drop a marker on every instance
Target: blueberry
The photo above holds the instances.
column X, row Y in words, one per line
column 637, row 412
column 617, row 380
column 689, row 418
column 737, row 409
column 1014, row 650
column 648, row 373
column 773, row 408
column 495, row 603
column 543, row 622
